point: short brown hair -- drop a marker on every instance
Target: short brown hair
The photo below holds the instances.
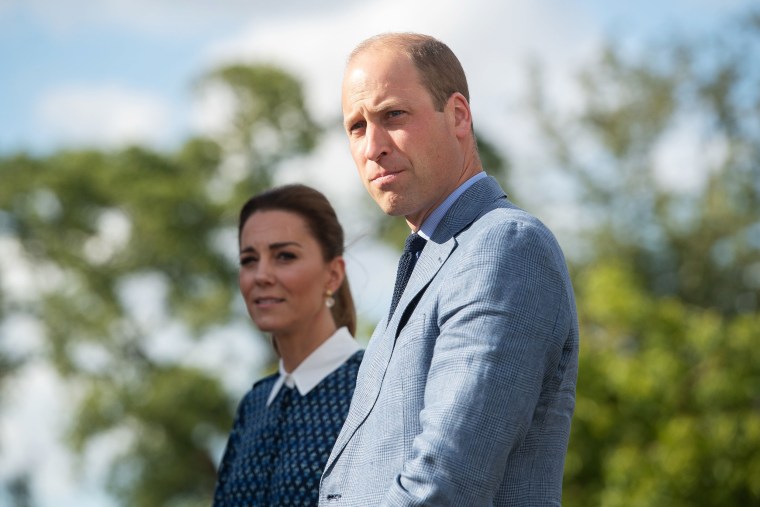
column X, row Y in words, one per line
column 322, row 223
column 439, row 68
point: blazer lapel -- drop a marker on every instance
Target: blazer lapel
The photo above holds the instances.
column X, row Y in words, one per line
column 431, row 259
column 381, row 345
column 378, row 355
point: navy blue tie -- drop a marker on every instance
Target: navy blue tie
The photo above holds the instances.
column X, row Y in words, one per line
column 413, row 246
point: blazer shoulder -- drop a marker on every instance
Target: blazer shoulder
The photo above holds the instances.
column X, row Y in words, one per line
column 468, row 206
column 505, row 215
column 484, row 205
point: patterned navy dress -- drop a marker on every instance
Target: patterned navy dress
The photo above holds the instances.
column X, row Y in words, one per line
column 275, row 455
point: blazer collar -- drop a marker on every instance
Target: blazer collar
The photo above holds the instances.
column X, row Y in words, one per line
column 465, row 210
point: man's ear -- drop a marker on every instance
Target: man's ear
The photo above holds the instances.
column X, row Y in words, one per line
column 461, row 115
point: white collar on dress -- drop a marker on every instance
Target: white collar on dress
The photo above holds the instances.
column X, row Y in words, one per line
column 327, row 358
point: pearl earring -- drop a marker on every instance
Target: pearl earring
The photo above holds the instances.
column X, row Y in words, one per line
column 329, row 300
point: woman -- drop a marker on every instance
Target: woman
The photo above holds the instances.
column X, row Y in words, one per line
column 293, row 281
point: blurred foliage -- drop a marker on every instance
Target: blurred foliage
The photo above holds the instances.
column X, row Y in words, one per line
column 174, row 413
column 269, row 121
column 688, row 108
column 668, row 396
column 19, row 491
column 668, row 399
column 92, row 226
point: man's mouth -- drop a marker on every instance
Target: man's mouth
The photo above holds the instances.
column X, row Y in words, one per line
column 384, row 177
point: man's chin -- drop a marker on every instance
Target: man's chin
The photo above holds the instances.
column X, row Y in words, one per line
column 391, row 206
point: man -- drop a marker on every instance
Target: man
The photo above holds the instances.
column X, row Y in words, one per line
column 467, row 389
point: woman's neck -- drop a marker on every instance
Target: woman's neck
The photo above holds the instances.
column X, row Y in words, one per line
column 295, row 347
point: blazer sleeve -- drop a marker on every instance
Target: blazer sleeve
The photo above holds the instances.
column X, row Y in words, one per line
column 502, row 319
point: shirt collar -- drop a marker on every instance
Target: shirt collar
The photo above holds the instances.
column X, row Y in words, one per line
column 431, row 222
column 327, row 358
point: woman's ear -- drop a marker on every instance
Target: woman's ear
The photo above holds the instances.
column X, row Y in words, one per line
column 337, row 273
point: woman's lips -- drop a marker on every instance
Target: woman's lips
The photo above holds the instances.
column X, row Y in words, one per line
column 267, row 301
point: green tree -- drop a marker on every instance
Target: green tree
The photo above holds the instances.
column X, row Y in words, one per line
column 702, row 243
column 668, row 410
column 93, row 224
column 269, row 121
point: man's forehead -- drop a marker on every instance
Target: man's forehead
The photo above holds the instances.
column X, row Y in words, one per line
column 381, row 73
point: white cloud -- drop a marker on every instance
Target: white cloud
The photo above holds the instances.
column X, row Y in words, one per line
column 34, row 417
column 16, row 279
column 21, row 336
column 491, row 38
column 212, row 110
column 234, row 353
column 102, row 115
column 686, row 154
column 113, row 232
column 167, row 17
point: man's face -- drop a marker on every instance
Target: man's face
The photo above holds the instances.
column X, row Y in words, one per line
column 407, row 153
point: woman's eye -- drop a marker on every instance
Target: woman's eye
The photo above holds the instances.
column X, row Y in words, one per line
column 286, row 256
column 248, row 259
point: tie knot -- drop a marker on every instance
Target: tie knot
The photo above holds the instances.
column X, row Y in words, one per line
column 414, row 243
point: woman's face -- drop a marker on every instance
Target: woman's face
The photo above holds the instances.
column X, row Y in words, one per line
column 283, row 275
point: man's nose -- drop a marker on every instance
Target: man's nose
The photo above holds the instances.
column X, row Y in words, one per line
column 376, row 142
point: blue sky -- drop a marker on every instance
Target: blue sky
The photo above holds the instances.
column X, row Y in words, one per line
column 142, row 56
column 105, row 73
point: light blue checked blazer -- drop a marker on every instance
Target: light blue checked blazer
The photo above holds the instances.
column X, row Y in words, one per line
column 465, row 397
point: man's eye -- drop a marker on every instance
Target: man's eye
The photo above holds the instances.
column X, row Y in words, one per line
column 393, row 114
column 357, row 126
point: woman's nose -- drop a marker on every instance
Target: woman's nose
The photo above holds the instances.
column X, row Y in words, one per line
column 264, row 273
